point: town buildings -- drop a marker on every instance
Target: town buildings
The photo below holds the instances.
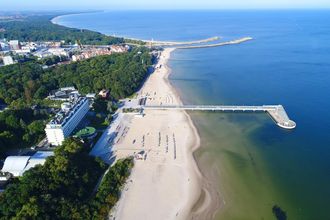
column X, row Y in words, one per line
column 14, row 45
column 104, row 93
column 45, row 49
column 93, row 52
column 63, row 94
column 65, row 121
column 7, row 60
column 17, row 165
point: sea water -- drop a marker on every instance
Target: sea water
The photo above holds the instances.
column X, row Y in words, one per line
column 252, row 163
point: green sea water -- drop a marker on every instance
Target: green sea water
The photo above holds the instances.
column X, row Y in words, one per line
column 230, row 155
column 236, row 166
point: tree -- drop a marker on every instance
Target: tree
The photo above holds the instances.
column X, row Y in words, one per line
column 35, row 131
column 36, row 127
column 40, row 28
column 41, row 92
column 7, row 140
column 122, row 74
column 12, row 121
column 59, row 189
column 29, row 210
column 111, row 107
column 21, row 127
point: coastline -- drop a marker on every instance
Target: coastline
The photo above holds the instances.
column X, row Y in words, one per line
column 53, row 20
column 202, row 199
column 209, row 201
column 242, row 152
column 169, row 188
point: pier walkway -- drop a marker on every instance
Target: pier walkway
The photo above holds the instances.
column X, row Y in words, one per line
column 277, row 112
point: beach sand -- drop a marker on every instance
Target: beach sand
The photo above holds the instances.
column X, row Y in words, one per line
column 167, row 184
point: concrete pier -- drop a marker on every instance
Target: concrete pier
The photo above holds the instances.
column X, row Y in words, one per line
column 156, row 43
column 173, row 43
column 276, row 112
column 238, row 41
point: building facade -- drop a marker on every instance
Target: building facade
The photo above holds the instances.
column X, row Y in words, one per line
column 8, row 60
column 66, row 120
column 14, row 45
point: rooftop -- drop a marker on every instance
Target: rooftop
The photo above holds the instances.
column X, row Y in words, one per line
column 62, row 93
column 17, row 165
column 64, row 116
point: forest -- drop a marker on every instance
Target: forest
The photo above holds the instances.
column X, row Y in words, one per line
column 25, row 84
column 40, row 28
column 64, row 187
column 21, row 128
column 70, row 185
column 122, row 74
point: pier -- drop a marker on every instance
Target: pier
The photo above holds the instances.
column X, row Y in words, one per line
column 204, row 43
column 238, row 41
column 156, row 43
column 276, row 112
column 173, row 43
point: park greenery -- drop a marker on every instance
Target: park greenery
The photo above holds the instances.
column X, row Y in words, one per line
column 65, row 187
column 21, row 128
column 122, row 74
column 109, row 190
column 103, row 110
column 52, row 60
column 71, row 184
column 25, row 84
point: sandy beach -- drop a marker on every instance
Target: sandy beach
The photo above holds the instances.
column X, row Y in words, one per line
column 167, row 184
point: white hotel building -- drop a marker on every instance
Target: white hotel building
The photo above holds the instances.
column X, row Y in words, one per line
column 66, row 120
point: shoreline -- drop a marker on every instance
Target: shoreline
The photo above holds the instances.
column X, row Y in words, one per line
column 193, row 44
column 202, row 204
column 176, row 188
column 53, row 20
column 254, row 183
column 209, row 201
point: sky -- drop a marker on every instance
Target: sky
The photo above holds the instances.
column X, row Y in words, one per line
column 160, row 4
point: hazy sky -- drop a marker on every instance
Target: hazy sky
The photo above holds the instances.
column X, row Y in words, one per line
column 160, row 4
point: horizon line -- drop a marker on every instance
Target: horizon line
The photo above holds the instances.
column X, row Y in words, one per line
column 165, row 9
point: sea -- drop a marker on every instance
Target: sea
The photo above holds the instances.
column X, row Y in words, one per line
column 254, row 164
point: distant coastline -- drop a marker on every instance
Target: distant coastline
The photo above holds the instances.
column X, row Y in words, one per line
column 194, row 44
column 53, row 20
